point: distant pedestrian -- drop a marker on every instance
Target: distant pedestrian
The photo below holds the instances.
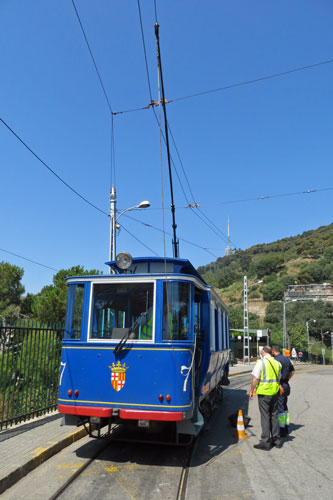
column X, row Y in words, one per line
column 287, row 372
column 300, row 356
column 294, row 354
column 265, row 380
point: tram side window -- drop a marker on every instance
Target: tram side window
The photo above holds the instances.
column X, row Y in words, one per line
column 227, row 334
column 74, row 312
column 198, row 330
column 118, row 308
column 223, row 329
column 217, row 340
column 176, row 311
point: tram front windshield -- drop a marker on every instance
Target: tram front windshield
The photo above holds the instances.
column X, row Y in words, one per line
column 120, row 307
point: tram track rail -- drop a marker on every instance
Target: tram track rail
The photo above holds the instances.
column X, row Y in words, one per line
column 185, row 469
column 182, row 483
column 79, row 471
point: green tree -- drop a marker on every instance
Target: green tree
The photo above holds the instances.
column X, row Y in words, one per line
column 277, row 336
column 50, row 304
column 274, row 313
column 11, row 289
column 26, row 305
column 236, row 317
column 298, row 336
column 273, row 291
column 268, row 264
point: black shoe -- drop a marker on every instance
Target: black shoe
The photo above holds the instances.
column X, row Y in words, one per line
column 287, row 429
column 283, row 432
column 277, row 445
column 261, row 447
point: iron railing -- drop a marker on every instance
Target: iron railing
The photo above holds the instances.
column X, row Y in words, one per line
column 29, row 370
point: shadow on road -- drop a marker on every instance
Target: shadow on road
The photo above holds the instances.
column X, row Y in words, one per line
column 215, row 438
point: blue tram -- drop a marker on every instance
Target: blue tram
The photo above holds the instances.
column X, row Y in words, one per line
column 145, row 345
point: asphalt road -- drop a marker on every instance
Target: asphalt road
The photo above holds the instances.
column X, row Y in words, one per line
column 221, row 468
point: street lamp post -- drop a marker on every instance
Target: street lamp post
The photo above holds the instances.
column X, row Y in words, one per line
column 308, row 338
column 323, row 345
column 113, row 221
column 286, row 338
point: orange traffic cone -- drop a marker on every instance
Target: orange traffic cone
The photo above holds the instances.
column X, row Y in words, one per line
column 241, row 434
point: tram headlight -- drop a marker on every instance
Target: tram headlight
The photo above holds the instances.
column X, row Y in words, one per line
column 124, row 260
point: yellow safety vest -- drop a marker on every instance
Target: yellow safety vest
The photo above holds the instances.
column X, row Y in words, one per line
column 147, row 330
column 268, row 383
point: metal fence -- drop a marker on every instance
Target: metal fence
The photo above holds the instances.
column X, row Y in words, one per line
column 29, row 370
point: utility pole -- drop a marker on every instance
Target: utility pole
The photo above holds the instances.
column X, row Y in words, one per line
column 308, row 339
column 246, row 338
column 284, row 327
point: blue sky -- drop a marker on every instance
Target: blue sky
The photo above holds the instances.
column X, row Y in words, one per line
column 267, row 138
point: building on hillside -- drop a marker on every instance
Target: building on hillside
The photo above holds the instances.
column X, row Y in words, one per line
column 309, row 292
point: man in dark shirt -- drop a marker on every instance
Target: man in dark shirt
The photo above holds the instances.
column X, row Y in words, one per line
column 287, row 372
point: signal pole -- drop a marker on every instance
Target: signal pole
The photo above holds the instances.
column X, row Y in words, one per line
column 246, row 338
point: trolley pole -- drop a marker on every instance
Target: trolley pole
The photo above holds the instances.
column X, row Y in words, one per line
column 112, row 251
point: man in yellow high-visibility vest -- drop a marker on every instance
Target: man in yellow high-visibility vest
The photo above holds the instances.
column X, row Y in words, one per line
column 265, row 380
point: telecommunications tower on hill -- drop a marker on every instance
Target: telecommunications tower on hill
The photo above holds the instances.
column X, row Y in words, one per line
column 229, row 250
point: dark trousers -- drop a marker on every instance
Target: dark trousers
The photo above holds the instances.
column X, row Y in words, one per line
column 283, row 400
column 268, row 407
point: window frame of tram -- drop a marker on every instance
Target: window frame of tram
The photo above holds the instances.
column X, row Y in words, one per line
column 133, row 309
column 75, row 310
column 178, row 310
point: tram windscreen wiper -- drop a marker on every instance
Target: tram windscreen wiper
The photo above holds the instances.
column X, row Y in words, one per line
column 123, row 341
column 140, row 321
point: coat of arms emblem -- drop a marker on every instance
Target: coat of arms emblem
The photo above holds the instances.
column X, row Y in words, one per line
column 118, row 375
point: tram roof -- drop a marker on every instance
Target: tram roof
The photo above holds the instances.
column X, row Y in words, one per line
column 158, row 265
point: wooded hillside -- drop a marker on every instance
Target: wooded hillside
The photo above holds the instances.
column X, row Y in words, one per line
column 271, row 268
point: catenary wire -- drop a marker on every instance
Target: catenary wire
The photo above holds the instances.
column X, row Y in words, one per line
column 210, row 224
column 103, row 89
column 139, row 241
column 145, row 51
column 233, row 85
column 169, row 234
column 152, row 105
column 151, row 96
column 50, row 169
column 92, row 57
column 245, row 200
column 259, row 198
column 29, row 260
column 255, row 80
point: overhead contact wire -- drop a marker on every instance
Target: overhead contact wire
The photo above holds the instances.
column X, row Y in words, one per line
column 50, row 169
column 29, row 260
column 103, row 89
column 169, row 234
column 173, row 139
column 233, row 85
column 139, row 241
